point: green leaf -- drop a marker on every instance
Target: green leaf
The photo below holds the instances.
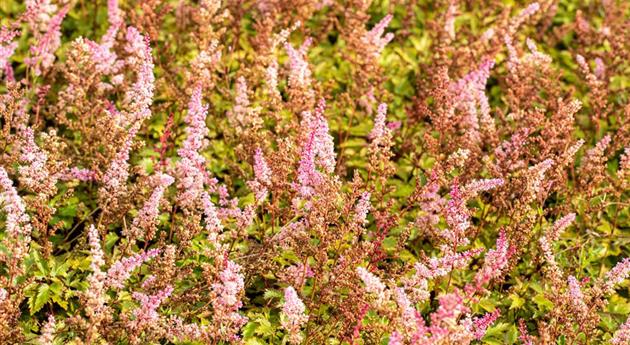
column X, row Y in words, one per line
column 271, row 294
column 517, row 301
column 41, row 298
column 542, row 302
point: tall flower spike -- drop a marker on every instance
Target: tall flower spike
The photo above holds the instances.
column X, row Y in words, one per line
column 190, row 167
column 7, row 49
column 617, row 275
column 146, row 315
column 17, row 222
column 226, row 301
column 261, row 169
column 495, row 261
column 523, row 16
column 362, row 209
column 560, row 225
column 323, row 144
column 477, row 186
column 373, row 285
column 139, row 96
column 262, row 175
column 457, row 218
column 536, row 176
column 379, row 129
column 294, row 315
column 622, row 335
column 114, row 17
column 95, row 294
column 48, row 331
column 34, row 172
column 243, row 115
column 146, row 221
column 410, row 320
column 43, row 52
column 374, row 38
column 116, row 175
column 213, row 223
column 299, row 71
column 576, row 296
column 481, row 324
column 121, row 270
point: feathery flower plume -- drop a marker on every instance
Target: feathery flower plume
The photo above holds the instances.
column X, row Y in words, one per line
column 271, row 80
column 576, row 296
column 147, row 314
column 622, row 335
column 395, row 339
column 227, row 302
column 34, row 173
column 190, row 167
column 139, row 96
column 536, row 176
column 261, row 169
column 477, row 186
column 481, row 324
column 243, row 115
column 374, row 38
column 593, row 164
column 596, row 154
column 362, row 209
column 317, row 150
column 373, row 285
column 17, row 222
column 95, row 294
column 410, row 320
column 295, row 316
column 213, row 223
column 43, row 52
column 48, row 331
column 121, row 270
column 324, row 146
column 527, row 12
column 204, row 64
column 380, row 129
column 451, row 307
column 617, row 275
column 146, row 221
column 7, row 49
column 74, row 173
column 431, row 203
column 116, row 175
column 468, row 94
column 299, row 71
column 308, row 176
column 560, row 225
column 39, row 13
column 457, row 218
column 546, row 241
column 114, row 17
column 262, row 174
column 495, row 261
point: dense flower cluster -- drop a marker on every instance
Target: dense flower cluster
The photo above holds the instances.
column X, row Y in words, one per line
column 294, row 312
column 314, row 172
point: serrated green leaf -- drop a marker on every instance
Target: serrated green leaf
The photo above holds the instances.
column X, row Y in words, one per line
column 40, row 299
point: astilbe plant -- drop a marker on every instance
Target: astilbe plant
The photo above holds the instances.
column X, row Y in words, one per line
column 314, row 172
